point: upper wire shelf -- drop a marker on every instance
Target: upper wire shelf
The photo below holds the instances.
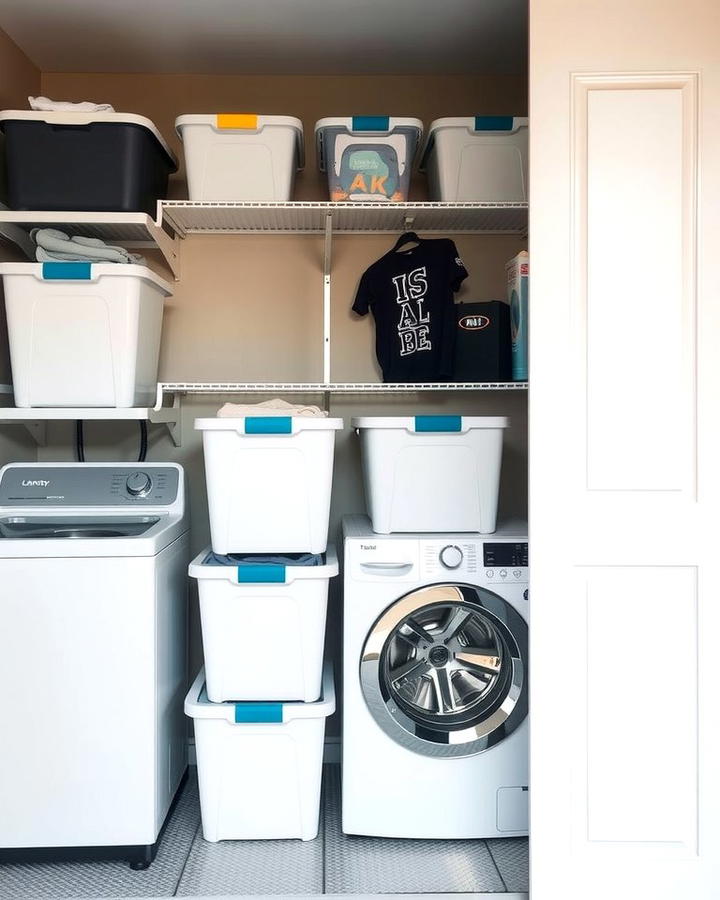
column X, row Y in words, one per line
column 187, row 217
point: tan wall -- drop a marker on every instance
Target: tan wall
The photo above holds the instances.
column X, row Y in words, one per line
column 250, row 307
column 18, row 76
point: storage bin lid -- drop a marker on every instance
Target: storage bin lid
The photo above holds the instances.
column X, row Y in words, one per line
column 491, row 125
column 269, row 425
column 83, row 118
column 84, row 271
column 245, row 122
column 197, row 705
column 366, row 126
column 431, row 424
column 362, row 125
column 260, row 573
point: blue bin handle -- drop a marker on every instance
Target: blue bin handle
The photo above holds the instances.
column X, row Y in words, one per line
column 261, row 573
column 437, row 424
column 268, row 425
column 371, row 123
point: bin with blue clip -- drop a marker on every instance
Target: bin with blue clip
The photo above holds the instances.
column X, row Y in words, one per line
column 480, row 159
column 259, row 763
column 431, row 473
column 260, row 703
column 368, row 158
column 83, row 334
column 263, row 623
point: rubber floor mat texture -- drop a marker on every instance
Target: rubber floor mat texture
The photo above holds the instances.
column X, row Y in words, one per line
column 113, row 879
column 187, row 865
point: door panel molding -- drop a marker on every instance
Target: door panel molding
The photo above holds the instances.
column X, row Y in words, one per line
column 639, row 664
column 634, row 176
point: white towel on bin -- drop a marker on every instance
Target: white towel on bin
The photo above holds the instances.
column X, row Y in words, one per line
column 45, row 104
column 274, row 407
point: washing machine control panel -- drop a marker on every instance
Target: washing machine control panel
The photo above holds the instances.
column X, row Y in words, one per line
column 483, row 562
column 89, row 485
column 505, row 561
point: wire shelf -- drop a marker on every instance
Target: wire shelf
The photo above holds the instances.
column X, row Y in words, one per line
column 187, row 217
column 227, row 387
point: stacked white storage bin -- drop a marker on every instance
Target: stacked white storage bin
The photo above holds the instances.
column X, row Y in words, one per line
column 477, row 159
column 235, row 157
column 260, row 704
column 269, row 480
column 248, row 607
column 431, row 473
column 83, row 334
column 259, row 764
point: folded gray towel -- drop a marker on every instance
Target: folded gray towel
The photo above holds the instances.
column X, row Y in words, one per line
column 56, row 246
column 257, row 559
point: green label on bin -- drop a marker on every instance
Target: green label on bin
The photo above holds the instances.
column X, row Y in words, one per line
column 370, row 170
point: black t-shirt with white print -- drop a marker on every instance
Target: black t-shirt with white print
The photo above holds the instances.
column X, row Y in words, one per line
column 410, row 293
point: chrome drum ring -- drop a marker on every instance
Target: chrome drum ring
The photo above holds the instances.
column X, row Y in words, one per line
column 444, row 670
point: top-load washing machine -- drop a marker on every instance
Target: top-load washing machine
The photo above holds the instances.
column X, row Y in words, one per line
column 435, row 683
column 93, row 613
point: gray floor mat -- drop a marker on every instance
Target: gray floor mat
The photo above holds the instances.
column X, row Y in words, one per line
column 253, row 867
column 359, row 865
column 511, row 856
column 334, row 863
column 112, row 879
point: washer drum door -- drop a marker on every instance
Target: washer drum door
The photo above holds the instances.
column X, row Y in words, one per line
column 444, row 670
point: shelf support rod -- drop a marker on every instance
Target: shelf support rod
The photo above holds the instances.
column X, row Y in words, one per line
column 326, row 298
column 175, row 427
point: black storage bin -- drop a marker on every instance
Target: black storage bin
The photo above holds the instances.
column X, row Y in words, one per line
column 483, row 346
column 112, row 163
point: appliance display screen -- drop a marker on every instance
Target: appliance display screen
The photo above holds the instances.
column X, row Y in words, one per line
column 505, row 554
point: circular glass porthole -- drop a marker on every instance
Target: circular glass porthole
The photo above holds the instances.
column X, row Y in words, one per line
column 444, row 670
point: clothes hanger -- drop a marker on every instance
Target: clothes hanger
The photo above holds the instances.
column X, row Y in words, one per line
column 407, row 237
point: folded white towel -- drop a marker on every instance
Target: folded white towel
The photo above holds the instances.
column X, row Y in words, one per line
column 275, row 407
column 44, row 104
column 55, row 245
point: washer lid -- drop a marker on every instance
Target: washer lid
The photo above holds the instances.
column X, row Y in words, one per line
column 74, row 527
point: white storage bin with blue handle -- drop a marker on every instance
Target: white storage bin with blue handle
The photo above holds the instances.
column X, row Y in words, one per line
column 477, row 159
column 268, row 482
column 241, row 157
column 431, row 473
column 247, row 607
column 83, row 334
column 259, row 764
column 368, row 158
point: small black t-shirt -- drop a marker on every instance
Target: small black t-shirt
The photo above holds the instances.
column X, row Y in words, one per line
column 410, row 293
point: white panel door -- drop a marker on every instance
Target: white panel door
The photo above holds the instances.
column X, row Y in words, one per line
column 625, row 449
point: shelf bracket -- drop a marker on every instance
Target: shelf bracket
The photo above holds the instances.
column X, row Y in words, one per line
column 37, row 431
column 327, row 259
column 169, row 245
column 173, row 424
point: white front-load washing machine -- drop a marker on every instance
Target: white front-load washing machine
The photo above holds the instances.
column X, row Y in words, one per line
column 435, row 731
column 93, row 613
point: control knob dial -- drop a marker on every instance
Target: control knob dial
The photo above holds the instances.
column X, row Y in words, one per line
column 138, row 484
column 451, row 556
